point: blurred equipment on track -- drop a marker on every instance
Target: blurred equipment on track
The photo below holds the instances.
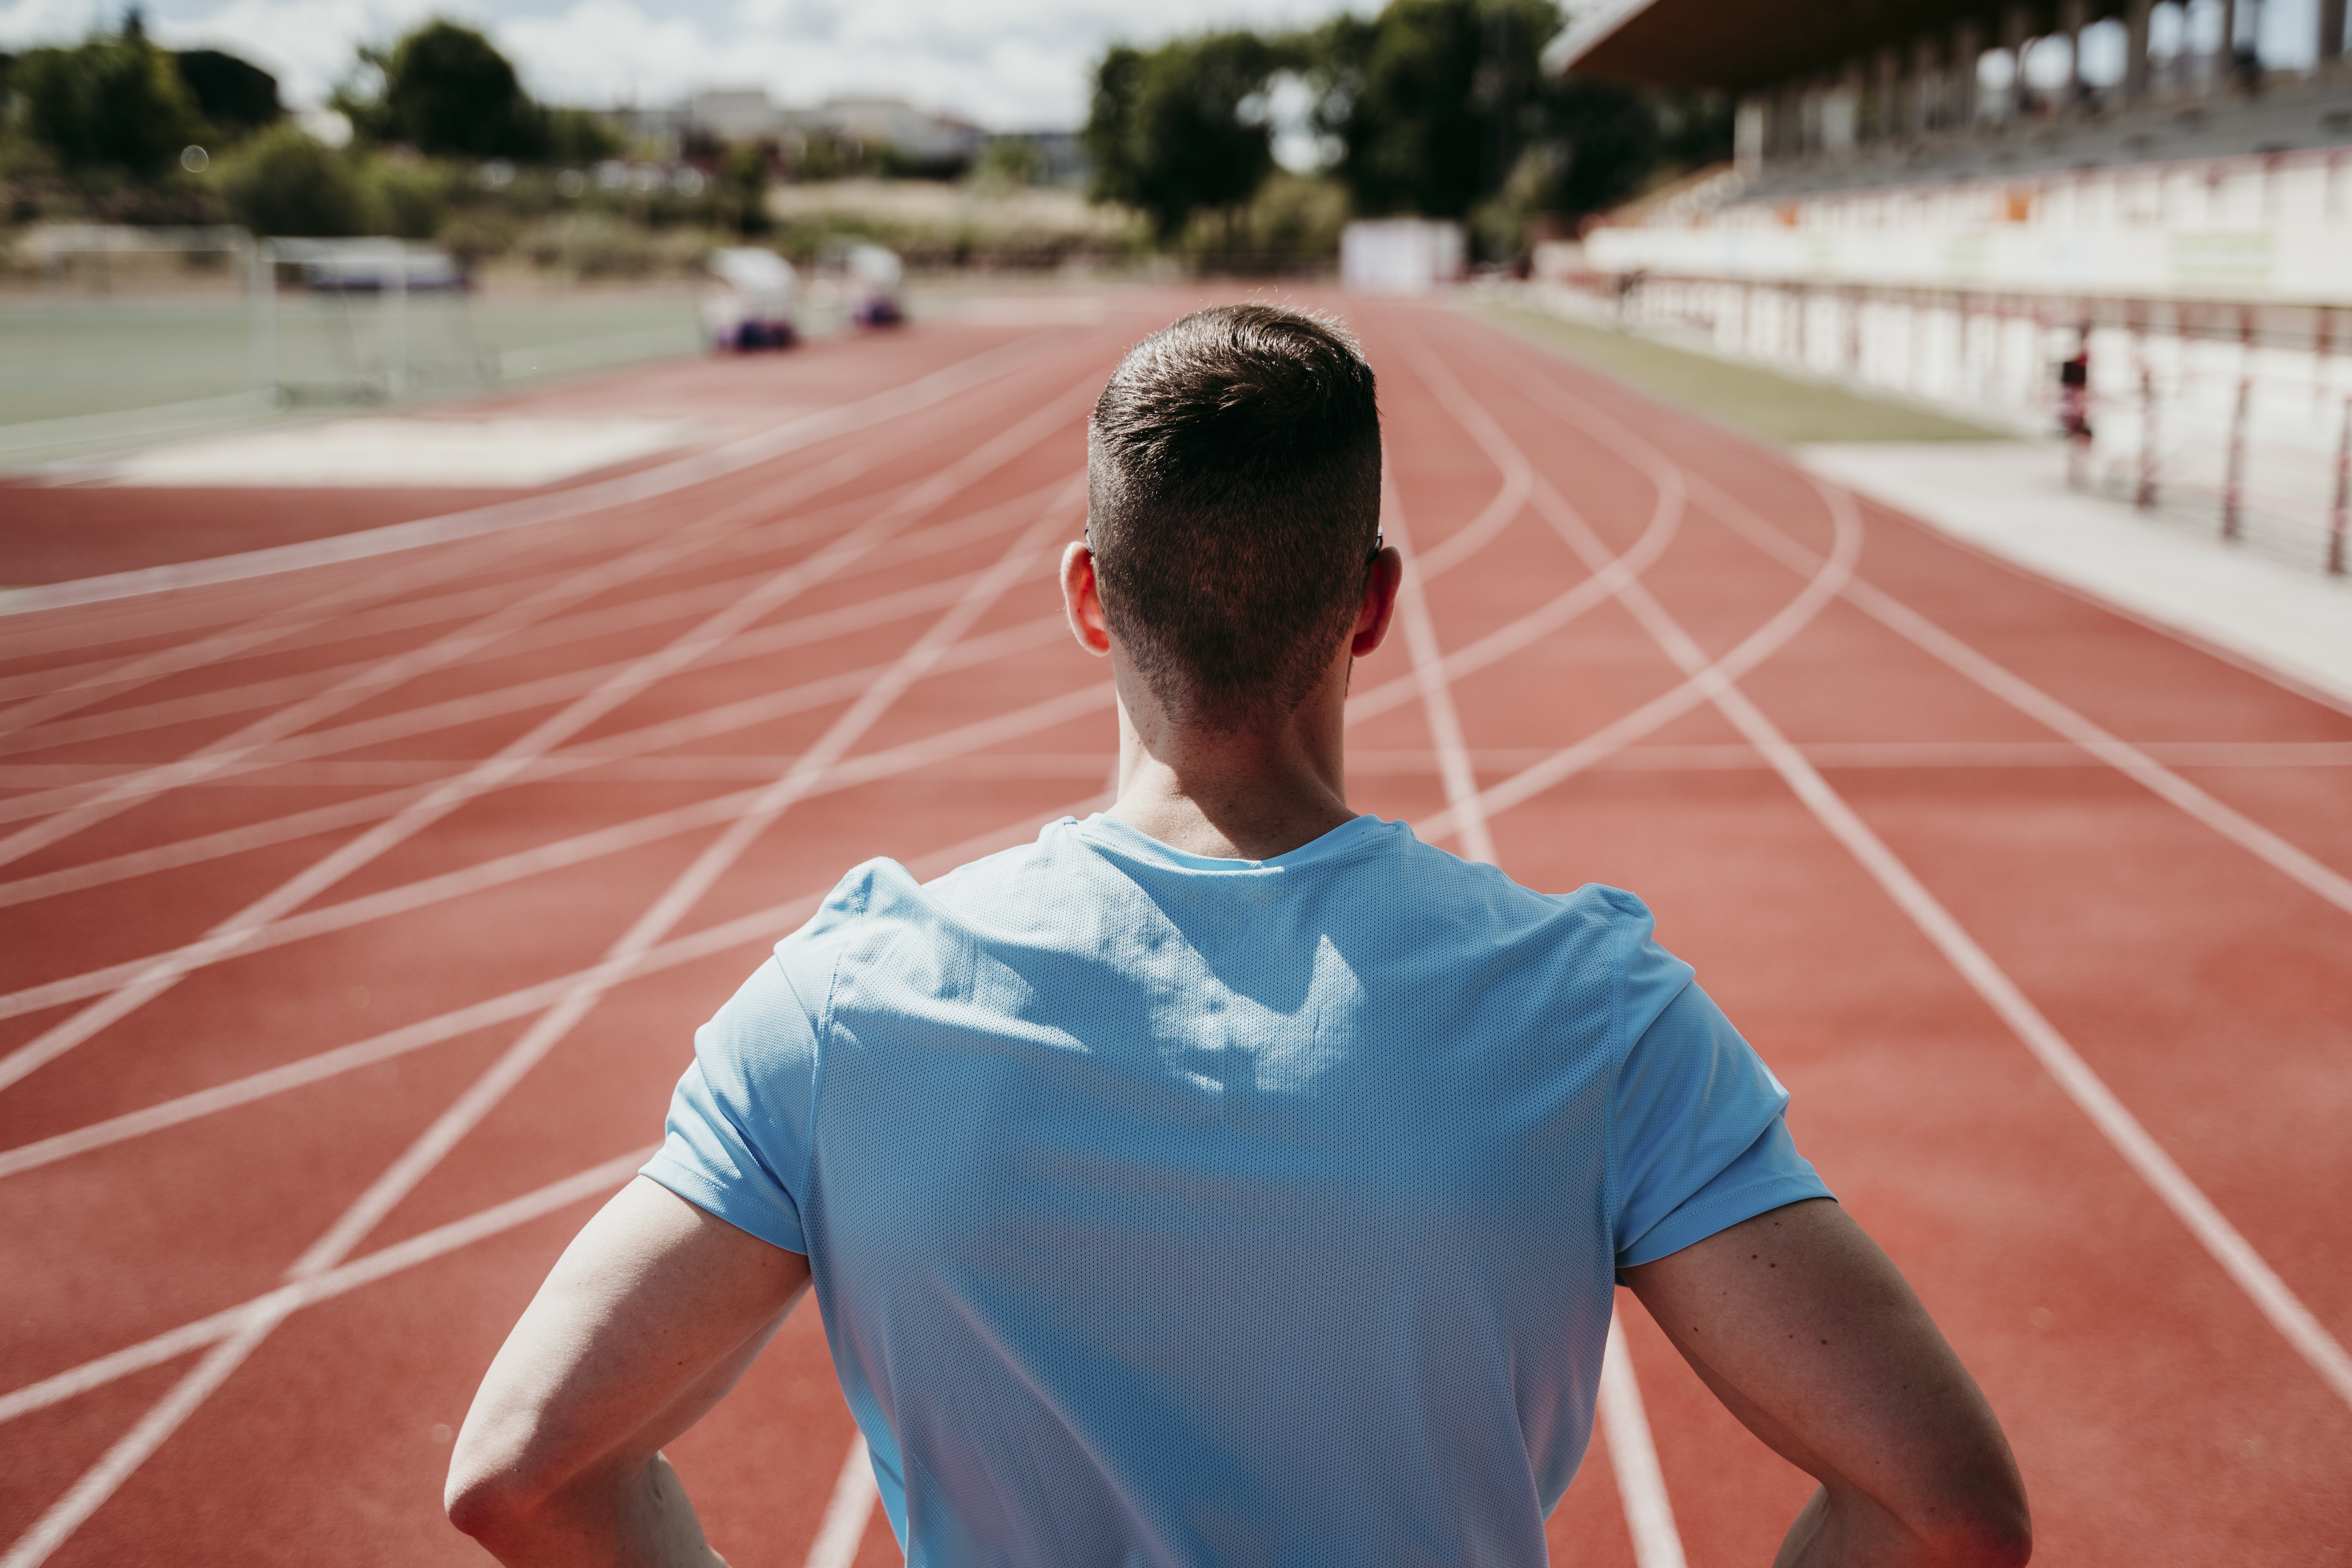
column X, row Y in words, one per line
column 871, row 275
column 751, row 301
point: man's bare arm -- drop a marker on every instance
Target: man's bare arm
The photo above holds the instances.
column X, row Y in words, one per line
column 645, row 1322
column 1808, row 1333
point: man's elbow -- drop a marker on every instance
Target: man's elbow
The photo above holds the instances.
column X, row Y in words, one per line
column 1988, row 1528
column 487, row 1507
column 491, row 1497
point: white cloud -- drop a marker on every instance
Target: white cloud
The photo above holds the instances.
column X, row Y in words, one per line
column 1004, row 63
column 27, row 23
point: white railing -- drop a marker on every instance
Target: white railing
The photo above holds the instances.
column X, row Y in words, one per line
column 2236, row 417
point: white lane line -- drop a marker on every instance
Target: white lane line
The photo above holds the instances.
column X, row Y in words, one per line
column 1633, row 1457
column 1509, row 499
column 65, row 691
column 589, row 757
column 543, row 692
column 548, row 559
column 2238, row 1259
column 2237, row 1256
column 372, row 679
column 1624, row 1422
column 368, row 681
column 845, row 1514
column 1680, row 698
column 2133, row 762
column 1436, row 695
column 723, row 767
column 552, row 632
column 1495, row 646
column 927, row 752
column 90, row 1493
column 764, row 596
column 604, row 495
column 422, row 1247
column 479, row 876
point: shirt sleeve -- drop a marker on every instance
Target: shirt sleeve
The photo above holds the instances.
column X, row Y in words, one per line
column 1701, row 1140
column 737, row 1140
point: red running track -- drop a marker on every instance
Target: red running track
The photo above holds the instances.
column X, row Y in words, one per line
column 357, row 919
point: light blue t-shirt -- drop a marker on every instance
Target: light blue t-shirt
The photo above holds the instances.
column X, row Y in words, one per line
column 1175, row 1211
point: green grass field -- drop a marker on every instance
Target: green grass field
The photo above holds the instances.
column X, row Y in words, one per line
column 81, row 372
column 1749, row 398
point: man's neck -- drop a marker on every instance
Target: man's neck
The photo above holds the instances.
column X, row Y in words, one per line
column 1232, row 794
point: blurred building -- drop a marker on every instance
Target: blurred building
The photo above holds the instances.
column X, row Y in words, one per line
column 736, row 114
column 1951, row 199
column 909, row 139
column 916, row 137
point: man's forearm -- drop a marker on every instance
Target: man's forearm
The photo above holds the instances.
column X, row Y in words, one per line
column 636, row 1515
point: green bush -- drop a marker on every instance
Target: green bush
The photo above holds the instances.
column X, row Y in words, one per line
column 475, row 235
column 594, row 245
column 1292, row 223
column 282, row 181
column 406, row 196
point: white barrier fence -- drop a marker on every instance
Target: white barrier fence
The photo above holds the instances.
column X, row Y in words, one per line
column 2236, row 417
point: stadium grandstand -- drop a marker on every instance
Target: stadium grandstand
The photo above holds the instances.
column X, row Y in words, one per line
column 1983, row 205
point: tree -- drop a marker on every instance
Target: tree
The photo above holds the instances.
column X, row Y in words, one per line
column 1434, row 101
column 1181, row 126
column 1443, row 109
column 447, row 92
column 741, row 198
column 582, row 136
column 235, row 96
column 108, row 108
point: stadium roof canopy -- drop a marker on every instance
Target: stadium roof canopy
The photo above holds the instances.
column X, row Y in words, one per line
column 1740, row 44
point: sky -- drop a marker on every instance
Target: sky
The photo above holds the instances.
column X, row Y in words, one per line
column 1006, row 64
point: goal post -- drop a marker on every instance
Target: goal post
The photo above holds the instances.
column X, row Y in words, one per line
column 367, row 320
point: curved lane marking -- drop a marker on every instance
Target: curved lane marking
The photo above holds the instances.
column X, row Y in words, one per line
column 763, row 596
column 2269, row 1294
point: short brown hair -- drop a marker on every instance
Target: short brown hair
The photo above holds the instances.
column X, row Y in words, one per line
column 1233, row 494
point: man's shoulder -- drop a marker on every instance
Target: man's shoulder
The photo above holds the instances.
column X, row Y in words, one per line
column 882, row 896
column 1061, row 887
column 1446, row 889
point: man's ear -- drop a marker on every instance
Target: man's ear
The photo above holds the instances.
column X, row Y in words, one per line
column 1373, row 616
column 1082, row 600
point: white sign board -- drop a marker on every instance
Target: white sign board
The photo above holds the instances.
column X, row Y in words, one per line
column 1399, row 255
